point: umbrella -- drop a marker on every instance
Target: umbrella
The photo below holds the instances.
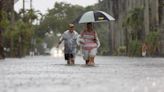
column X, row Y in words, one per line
column 94, row 16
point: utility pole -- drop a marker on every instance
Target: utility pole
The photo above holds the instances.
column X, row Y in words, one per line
column 12, row 27
column 32, row 39
column 23, row 8
column 20, row 50
column 30, row 4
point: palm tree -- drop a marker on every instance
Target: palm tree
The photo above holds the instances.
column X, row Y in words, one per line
column 29, row 16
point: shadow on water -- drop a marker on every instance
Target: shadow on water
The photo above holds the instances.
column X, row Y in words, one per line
column 158, row 65
column 89, row 66
column 82, row 65
column 76, row 65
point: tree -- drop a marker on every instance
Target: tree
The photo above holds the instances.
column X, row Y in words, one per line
column 58, row 18
column 27, row 18
column 1, row 27
column 134, row 24
column 18, row 35
column 6, row 13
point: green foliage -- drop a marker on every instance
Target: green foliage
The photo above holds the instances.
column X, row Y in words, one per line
column 29, row 16
column 134, row 21
column 103, row 35
column 59, row 17
column 20, row 31
column 152, row 40
column 121, row 50
column 4, row 22
column 134, row 48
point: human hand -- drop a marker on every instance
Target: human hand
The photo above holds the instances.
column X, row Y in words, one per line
column 98, row 46
column 57, row 46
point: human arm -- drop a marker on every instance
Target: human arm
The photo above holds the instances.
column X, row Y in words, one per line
column 78, row 40
column 97, row 40
column 60, row 41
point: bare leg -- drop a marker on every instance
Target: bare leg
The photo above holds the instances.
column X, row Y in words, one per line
column 68, row 62
column 87, row 62
column 92, row 60
column 72, row 61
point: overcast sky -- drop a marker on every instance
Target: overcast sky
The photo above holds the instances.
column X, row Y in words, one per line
column 43, row 5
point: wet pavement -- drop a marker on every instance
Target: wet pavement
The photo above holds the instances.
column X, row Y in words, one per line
column 110, row 74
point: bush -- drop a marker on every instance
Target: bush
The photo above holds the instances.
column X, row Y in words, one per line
column 152, row 39
column 121, row 50
column 134, row 48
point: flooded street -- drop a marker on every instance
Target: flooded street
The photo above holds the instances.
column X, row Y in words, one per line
column 110, row 74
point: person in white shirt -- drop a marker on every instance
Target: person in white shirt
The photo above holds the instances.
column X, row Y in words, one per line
column 70, row 44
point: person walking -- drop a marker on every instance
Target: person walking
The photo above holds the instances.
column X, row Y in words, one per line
column 89, row 42
column 69, row 37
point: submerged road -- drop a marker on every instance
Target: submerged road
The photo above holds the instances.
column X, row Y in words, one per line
column 110, row 74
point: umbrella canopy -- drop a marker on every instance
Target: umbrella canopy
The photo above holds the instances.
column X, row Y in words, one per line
column 94, row 16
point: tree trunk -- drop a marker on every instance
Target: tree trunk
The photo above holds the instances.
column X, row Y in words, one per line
column 161, row 23
column 12, row 28
column 146, row 17
column 2, row 56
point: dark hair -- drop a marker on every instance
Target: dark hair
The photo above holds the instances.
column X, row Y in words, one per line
column 89, row 23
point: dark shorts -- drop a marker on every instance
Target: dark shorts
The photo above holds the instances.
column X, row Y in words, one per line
column 69, row 56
